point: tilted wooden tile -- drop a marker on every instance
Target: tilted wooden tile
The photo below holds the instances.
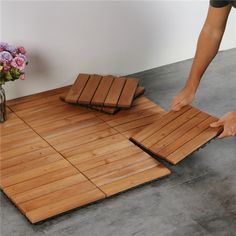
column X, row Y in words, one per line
column 177, row 134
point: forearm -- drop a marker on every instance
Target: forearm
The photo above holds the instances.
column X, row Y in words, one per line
column 208, row 44
column 207, row 48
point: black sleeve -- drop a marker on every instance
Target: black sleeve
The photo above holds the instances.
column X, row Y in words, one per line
column 218, row 3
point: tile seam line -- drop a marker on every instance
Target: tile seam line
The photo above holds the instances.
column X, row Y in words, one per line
column 129, row 139
column 57, row 152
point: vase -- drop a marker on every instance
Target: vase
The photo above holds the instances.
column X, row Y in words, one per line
column 2, row 104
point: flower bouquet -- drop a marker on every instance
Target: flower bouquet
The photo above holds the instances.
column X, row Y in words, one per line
column 12, row 64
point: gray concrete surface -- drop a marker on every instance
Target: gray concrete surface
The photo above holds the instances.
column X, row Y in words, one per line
column 199, row 198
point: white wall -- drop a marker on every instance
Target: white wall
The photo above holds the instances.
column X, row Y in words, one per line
column 67, row 37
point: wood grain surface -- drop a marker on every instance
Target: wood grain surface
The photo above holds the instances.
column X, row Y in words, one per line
column 52, row 150
column 177, row 134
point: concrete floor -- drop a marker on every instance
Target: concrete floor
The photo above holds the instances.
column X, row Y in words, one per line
column 199, row 198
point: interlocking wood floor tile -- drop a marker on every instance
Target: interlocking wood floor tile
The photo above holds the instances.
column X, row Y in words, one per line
column 107, row 91
column 177, row 134
column 33, row 174
column 110, row 110
column 115, row 164
column 52, row 150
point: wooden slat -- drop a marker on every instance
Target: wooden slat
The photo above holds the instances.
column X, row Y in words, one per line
column 23, row 149
column 35, row 172
column 57, row 207
column 40, row 180
column 117, row 165
column 115, row 92
column 127, row 95
column 48, row 188
column 125, row 149
column 193, row 144
column 89, row 89
column 153, row 128
column 76, row 90
column 25, row 157
column 102, row 90
column 179, row 132
column 59, row 195
column 82, row 140
column 188, row 136
column 135, row 180
column 176, row 135
column 170, row 127
column 30, row 165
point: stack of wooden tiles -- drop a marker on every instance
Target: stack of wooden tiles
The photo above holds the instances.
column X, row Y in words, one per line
column 177, row 134
column 56, row 157
column 104, row 93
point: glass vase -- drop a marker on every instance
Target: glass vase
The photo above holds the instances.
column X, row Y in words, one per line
column 2, row 104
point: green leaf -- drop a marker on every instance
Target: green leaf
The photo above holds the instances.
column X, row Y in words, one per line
column 8, row 76
column 15, row 73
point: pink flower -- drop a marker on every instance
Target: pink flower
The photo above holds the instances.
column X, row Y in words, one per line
column 6, row 67
column 18, row 63
column 21, row 50
column 22, row 77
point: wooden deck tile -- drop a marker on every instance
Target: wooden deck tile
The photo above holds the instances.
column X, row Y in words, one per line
column 177, row 134
column 33, row 174
column 115, row 160
column 71, row 154
column 110, row 110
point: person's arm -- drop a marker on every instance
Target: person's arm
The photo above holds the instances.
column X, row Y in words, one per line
column 207, row 47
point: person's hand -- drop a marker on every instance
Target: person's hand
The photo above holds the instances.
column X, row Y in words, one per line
column 228, row 121
column 183, row 98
